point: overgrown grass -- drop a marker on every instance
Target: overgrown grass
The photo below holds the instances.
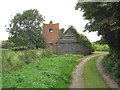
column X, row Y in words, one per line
column 12, row 61
column 53, row 72
column 99, row 47
column 92, row 78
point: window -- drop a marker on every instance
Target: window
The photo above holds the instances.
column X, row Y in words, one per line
column 50, row 30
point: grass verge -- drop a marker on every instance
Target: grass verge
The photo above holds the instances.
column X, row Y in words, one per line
column 53, row 72
column 91, row 76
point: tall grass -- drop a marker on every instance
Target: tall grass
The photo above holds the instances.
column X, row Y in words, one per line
column 53, row 72
column 11, row 60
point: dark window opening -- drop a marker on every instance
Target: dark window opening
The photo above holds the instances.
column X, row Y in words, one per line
column 50, row 30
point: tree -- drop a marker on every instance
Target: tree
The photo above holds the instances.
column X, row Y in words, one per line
column 103, row 17
column 25, row 29
column 101, row 41
column 61, row 31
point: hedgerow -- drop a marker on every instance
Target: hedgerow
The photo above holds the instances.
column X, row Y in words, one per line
column 111, row 62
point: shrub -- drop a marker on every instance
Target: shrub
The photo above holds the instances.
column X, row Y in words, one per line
column 7, row 44
column 99, row 47
column 112, row 65
column 45, row 53
column 18, row 48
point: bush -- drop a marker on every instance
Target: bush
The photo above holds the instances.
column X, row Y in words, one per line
column 112, row 65
column 99, row 47
column 44, row 53
column 7, row 44
column 18, row 48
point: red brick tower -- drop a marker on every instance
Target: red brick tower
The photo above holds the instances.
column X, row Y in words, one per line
column 51, row 35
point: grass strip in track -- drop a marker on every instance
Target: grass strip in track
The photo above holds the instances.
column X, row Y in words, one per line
column 91, row 76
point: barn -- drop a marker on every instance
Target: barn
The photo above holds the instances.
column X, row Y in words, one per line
column 73, row 43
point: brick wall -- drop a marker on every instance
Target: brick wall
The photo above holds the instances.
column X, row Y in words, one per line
column 51, row 34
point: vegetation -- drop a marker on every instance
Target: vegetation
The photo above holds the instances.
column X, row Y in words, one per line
column 7, row 44
column 61, row 31
column 12, row 61
column 52, row 72
column 104, row 17
column 101, row 42
column 103, row 47
column 25, row 29
column 112, row 65
column 0, row 70
column 91, row 76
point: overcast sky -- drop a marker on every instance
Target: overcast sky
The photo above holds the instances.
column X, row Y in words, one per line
column 59, row 11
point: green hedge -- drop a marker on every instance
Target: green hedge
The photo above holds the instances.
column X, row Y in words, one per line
column 111, row 62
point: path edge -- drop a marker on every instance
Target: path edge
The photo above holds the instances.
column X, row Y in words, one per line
column 107, row 78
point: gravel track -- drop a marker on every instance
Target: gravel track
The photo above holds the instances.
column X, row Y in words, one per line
column 77, row 75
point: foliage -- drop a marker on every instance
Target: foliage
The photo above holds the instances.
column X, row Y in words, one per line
column 25, row 29
column 7, row 44
column 83, row 40
column 61, row 31
column 112, row 65
column 47, row 73
column 101, row 41
column 18, row 48
column 12, row 60
column 103, row 17
column 92, row 78
column 103, row 47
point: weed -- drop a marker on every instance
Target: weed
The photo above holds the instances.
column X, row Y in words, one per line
column 53, row 72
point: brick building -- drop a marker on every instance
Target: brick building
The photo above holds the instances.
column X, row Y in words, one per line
column 69, row 43
column 51, row 35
